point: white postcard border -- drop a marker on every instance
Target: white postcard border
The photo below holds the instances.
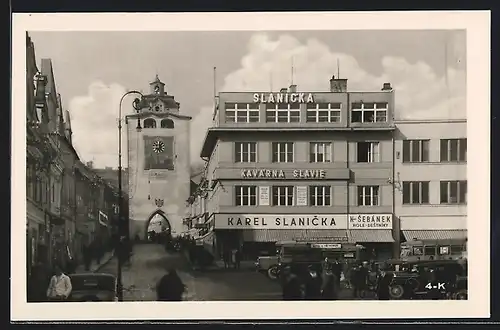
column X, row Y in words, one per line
column 476, row 23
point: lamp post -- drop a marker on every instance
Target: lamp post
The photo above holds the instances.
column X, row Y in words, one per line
column 119, row 246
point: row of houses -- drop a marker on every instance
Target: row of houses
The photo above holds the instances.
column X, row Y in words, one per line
column 278, row 164
column 68, row 204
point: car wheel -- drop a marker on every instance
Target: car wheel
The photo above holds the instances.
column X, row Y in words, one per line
column 461, row 295
column 396, row 291
column 272, row 272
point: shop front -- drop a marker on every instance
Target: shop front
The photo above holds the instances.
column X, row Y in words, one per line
column 34, row 226
column 374, row 232
column 257, row 234
column 434, row 236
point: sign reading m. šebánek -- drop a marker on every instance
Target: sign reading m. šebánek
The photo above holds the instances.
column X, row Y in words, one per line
column 370, row 221
column 285, row 221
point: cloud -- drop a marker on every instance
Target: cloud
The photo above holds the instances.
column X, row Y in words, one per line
column 94, row 120
column 420, row 92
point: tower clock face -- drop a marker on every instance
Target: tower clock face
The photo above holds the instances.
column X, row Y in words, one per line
column 157, row 89
column 158, row 146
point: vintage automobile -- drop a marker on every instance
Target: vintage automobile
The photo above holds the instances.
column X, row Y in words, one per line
column 437, row 279
column 268, row 265
column 93, row 287
column 298, row 256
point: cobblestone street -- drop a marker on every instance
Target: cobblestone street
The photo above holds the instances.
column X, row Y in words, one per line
column 150, row 261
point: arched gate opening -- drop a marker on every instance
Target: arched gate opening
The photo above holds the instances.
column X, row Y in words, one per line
column 157, row 228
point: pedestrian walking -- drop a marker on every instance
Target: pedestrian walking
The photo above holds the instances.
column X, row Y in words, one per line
column 87, row 256
column 336, row 268
column 226, row 257
column 237, row 258
column 329, row 289
column 233, row 257
column 291, row 286
column 59, row 286
column 170, row 287
column 313, row 282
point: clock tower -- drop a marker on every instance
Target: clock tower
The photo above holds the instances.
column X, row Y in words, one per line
column 158, row 162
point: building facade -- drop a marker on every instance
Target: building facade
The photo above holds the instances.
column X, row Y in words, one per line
column 60, row 189
column 431, row 180
column 313, row 166
column 44, row 165
column 159, row 162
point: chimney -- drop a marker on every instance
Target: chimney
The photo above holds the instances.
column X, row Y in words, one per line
column 387, row 87
column 338, row 85
column 292, row 89
column 90, row 164
column 283, row 90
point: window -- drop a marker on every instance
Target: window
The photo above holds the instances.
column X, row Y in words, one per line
column 320, row 152
column 38, row 190
column 368, row 195
column 415, row 151
column 319, row 195
column 30, row 179
column 323, row 112
column 369, row 112
column 453, row 192
column 53, row 191
column 368, row 152
column 282, row 113
column 457, row 249
column 167, row 123
column 416, row 192
column 246, row 152
column 283, row 195
column 149, row 123
column 453, row 150
column 430, row 250
column 418, row 250
column 242, row 112
column 282, row 152
column 245, row 195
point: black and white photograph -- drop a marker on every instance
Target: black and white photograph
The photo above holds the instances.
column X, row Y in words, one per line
column 326, row 168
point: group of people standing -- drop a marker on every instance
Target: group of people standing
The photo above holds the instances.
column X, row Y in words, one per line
column 323, row 282
column 311, row 282
column 231, row 258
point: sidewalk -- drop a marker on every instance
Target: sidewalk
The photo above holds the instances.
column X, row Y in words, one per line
column 94, row 266
column 244, row 264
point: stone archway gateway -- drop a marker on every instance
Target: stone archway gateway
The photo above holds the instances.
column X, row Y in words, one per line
column 158, row 215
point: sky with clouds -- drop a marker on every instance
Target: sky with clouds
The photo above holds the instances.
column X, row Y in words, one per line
column 93, row 70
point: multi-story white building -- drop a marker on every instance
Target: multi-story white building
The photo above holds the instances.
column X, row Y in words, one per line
column 430, row 163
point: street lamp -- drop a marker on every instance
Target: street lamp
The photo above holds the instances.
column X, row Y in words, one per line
column 137, row 106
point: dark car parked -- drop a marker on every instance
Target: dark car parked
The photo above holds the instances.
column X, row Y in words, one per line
column 93, row 287
column 439, row 279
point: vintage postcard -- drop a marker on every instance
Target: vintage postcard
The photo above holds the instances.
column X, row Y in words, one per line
column 250, row 166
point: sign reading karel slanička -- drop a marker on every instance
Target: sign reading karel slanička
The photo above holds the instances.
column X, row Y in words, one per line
column 370, row 221
column 303, row 221
column 288, row 221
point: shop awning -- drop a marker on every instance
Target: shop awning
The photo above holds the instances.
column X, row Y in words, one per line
column 411, row 235
column 371, row 236
column 277, row 235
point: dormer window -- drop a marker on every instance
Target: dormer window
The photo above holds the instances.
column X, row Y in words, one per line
column 149, row 123
column 167, row 123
